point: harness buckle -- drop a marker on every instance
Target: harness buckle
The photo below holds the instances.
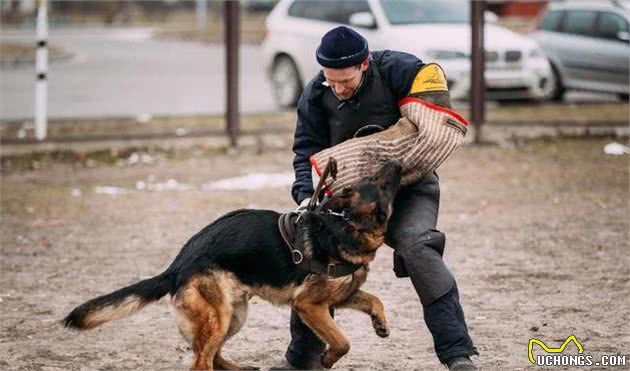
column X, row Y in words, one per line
column 344, row 214
column 331, row 270
column 297, row 256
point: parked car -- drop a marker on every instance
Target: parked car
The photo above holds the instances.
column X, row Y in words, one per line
column 434, row 30
column 261, row 6
column 588, row 45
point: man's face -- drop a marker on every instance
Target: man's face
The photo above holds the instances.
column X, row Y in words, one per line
column 345, row 81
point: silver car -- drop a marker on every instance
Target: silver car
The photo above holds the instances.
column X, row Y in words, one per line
column 588, row 45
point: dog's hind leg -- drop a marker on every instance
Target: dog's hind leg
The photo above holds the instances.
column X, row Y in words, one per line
column 318, row 318
column 204, row 315
column 239, row 315
column 370, row 305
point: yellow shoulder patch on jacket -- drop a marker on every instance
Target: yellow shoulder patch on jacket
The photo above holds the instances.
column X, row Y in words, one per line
column 430, row 78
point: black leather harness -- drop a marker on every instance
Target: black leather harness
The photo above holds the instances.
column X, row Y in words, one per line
column 287, row 224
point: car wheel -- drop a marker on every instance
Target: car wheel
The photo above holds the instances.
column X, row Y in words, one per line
column 623, row 97
column 553, row 88
column 287, row 85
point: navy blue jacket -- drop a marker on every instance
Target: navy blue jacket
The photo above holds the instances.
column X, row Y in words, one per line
column 324, row 121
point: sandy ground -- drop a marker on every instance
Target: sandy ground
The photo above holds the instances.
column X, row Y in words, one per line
column 537, row 238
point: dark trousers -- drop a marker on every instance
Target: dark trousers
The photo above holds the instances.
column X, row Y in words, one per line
column 415, row 214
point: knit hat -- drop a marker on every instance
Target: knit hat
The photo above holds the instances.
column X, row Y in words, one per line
column 342, row 47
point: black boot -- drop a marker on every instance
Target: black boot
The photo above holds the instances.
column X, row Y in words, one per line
column 461, row 364
column 286, row 365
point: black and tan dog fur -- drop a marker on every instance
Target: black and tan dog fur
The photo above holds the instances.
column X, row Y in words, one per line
column 242, row 254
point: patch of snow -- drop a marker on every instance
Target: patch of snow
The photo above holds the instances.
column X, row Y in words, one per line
column 251, row 182
column 144, row 158
column 616, row 149
column 180, row 132
column 21, row 134
column 133, row 159
column 108, row 190
column 169, row 185
column 143, row 118
column 147, row 159
column 131, row 34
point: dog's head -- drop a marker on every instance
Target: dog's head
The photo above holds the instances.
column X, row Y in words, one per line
column 367, row 206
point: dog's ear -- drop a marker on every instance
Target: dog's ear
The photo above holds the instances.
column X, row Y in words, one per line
column 340, row 201
column 339, row 235
column 388, row 176
column 323, row 234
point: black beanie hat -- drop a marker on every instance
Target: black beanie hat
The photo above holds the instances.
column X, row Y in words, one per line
column 342, row 47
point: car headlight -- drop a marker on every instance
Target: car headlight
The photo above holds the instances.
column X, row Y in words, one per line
column 446, row 54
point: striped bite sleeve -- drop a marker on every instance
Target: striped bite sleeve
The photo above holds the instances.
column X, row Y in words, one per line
column 421, row 140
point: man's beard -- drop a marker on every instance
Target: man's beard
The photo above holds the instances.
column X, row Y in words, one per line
column 352, row 92
column 348, row 95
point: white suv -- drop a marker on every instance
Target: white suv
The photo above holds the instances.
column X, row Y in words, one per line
column 433, row 30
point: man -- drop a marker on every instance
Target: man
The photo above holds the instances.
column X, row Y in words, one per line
column 357, row 88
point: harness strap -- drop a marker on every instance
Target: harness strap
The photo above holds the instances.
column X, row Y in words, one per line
column 333, row 270
column 287, row 225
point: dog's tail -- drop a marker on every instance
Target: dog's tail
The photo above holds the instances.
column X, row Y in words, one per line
column 120, row 303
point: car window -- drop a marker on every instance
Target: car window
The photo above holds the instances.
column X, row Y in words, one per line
column 350, row 7
column 425, row 11
column 579, row 22
column 315, row 9
column 551, row 21
column 609, row 25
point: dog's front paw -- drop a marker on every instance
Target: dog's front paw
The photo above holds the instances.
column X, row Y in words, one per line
column 380, row 327
column 328, row 359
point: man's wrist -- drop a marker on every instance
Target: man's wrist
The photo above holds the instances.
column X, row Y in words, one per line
column 304, row 203
column 303, row 196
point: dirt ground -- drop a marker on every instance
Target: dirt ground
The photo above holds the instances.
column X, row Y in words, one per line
column 537, row 237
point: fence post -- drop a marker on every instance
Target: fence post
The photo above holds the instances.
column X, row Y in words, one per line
column 231, row 17
column 41, row 70
column 477, row 80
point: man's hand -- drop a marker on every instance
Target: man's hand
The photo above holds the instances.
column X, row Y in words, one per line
column 302, row 206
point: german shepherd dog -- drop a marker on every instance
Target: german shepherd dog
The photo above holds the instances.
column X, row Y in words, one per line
column 243, row 254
